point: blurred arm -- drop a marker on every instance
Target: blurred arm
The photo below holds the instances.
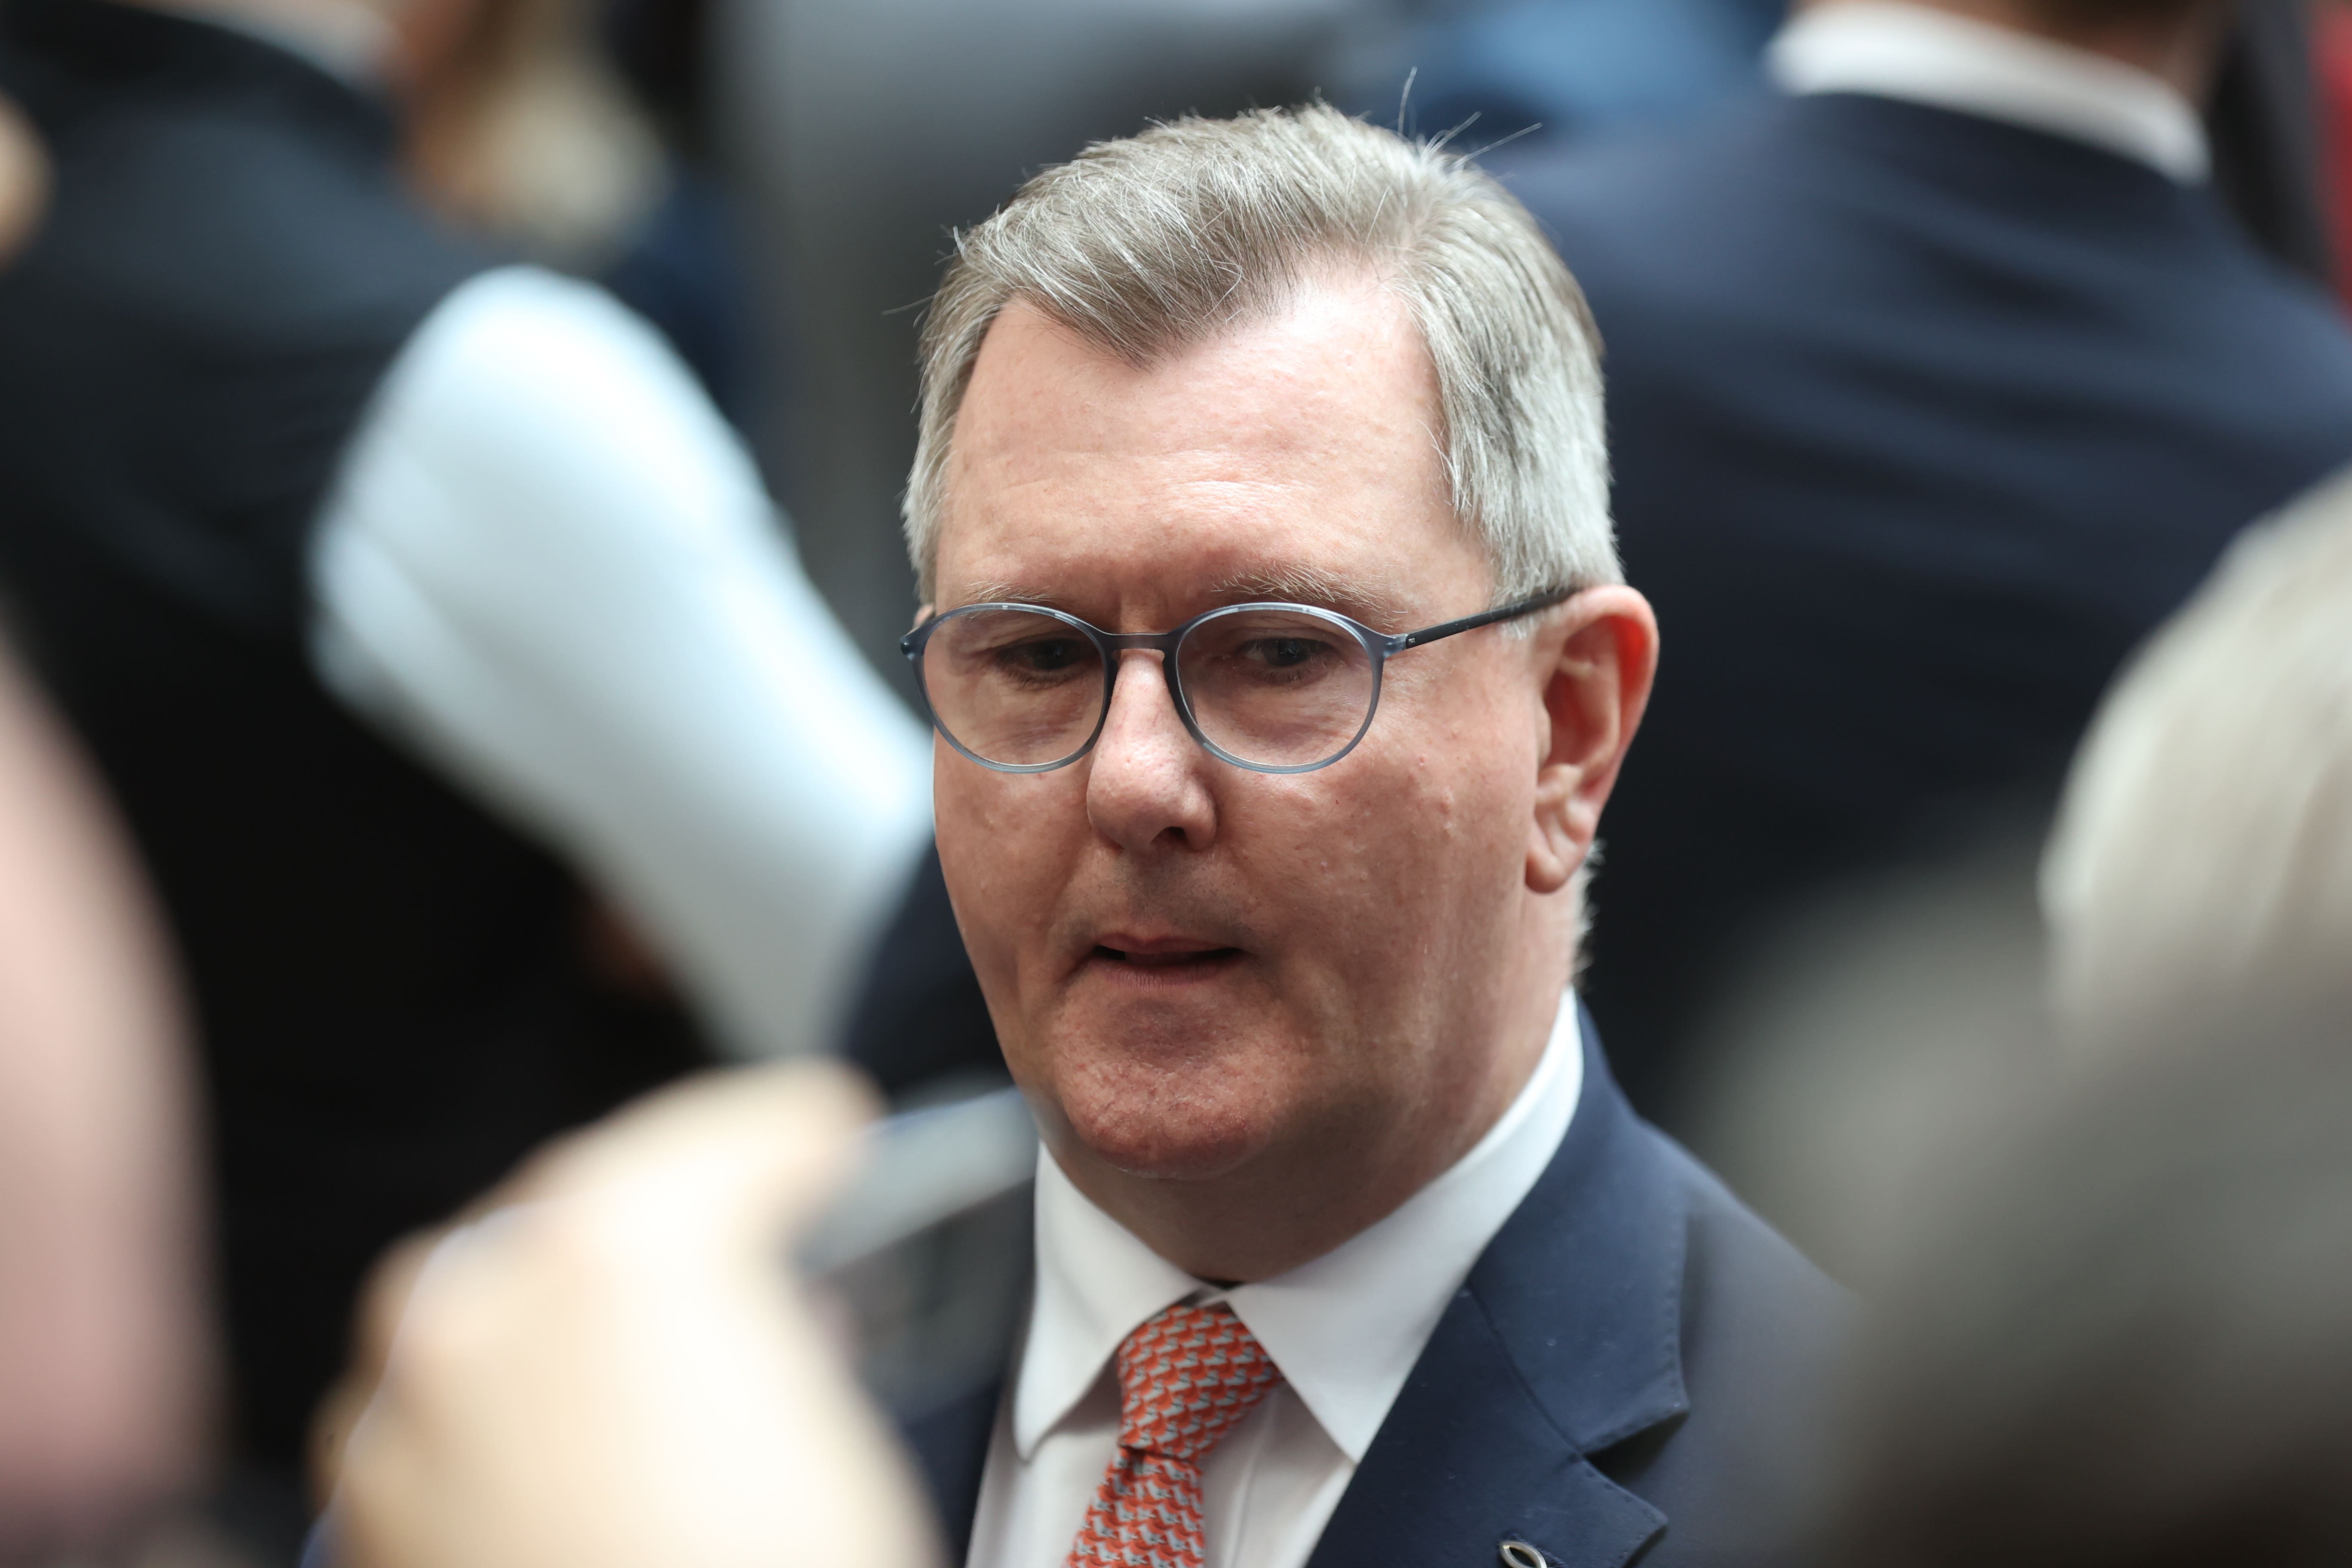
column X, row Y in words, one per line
column 552, row 565
column 104, row 1368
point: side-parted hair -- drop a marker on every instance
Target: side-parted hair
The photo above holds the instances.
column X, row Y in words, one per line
column 1151, row 245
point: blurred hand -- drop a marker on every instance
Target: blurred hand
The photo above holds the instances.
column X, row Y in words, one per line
column 614, row 1369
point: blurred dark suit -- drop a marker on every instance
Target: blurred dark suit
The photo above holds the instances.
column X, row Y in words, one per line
column 1920, row 422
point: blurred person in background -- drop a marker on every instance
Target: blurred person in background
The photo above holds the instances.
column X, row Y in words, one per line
column 1937, row 381
column 516, row 126
column 2120, row 1339
column 1557, row 70
column 520, row 127
column 373, row 576
column 2203, row 861
column 106, row 1357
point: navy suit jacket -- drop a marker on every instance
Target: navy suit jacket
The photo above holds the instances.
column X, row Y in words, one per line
column 1635, row 1369
column 1919, row 422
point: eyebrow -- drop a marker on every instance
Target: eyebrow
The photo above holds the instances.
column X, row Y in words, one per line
column 1376, row 604
column 1007, row 592
column 1372, row 603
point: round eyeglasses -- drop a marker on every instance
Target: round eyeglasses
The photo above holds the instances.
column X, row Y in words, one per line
column 1279, row 688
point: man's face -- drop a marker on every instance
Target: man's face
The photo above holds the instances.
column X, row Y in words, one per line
column 1194, row 968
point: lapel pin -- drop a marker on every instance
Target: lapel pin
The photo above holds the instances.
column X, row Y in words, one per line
column 1520, row 1554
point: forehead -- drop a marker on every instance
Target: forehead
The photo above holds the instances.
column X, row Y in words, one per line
column 1304, row 449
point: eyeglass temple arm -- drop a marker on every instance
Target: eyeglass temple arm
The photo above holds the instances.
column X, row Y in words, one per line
column 1484, row 619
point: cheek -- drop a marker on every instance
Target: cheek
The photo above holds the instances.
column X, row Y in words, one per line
column 1375, row 876
column 1434, row 844
column 1005, row 851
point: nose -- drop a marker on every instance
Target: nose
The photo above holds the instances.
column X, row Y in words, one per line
column 1147, row 785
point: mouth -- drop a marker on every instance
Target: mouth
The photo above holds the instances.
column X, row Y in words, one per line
column 1162, row 959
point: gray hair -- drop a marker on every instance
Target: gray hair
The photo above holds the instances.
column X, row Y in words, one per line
column 1147, row 245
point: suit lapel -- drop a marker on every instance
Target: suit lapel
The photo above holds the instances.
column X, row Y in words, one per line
column 1565, row 1340
column 1468, row 1459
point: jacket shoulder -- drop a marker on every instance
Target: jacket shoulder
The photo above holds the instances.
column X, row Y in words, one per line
column 1763, row 1337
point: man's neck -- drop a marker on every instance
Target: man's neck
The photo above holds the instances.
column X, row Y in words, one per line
column 2182, row 51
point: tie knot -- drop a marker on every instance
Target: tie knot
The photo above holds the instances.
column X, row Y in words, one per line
column 1187, row 1377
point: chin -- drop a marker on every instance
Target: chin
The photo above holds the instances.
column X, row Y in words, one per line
column 1182, row 1122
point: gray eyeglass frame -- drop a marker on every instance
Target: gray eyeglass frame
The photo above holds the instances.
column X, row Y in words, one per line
column 1379, row 646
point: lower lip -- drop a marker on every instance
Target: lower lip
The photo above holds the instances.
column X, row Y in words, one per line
column 1160, row 969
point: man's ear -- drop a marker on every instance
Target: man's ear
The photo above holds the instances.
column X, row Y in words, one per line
column 1599, row 658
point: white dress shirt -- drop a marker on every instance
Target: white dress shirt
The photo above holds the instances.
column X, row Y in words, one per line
column 550, row 565
column 1933, row 57
column 1345, row 1329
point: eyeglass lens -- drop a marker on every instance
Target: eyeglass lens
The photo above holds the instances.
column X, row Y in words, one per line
column 1275, row 688
column 1279, row 689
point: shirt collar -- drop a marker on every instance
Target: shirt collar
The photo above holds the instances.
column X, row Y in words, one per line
column 1346, row 1328
column 1926, row 56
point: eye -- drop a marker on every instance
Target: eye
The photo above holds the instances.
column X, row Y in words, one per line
column 1042, row 656
column 1284, row 652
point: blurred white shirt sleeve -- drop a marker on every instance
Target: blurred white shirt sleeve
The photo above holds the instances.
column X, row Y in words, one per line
column 550, row 565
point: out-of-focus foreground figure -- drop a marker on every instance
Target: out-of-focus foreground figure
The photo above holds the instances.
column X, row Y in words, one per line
column 2121, row 1340
column 613, row 1367
column 386, row 586
column 105, row 1369
column 2112, row 1334
column 1938, row 379
column 2201, row 871
column 2203, row 864
column 105, row 1361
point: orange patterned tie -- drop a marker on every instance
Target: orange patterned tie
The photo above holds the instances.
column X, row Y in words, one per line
column 1186, row 1378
